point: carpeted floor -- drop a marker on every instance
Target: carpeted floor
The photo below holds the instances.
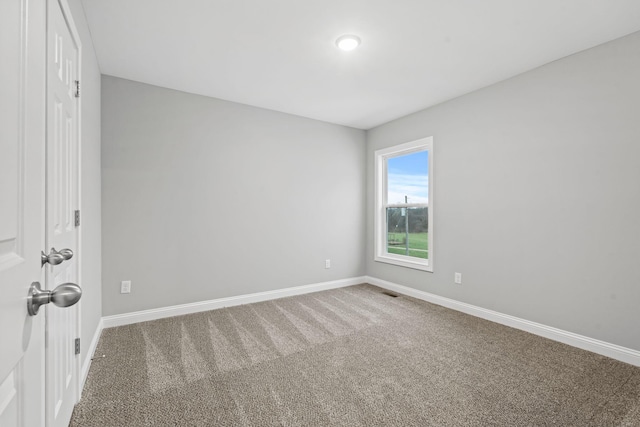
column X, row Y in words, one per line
column 349, row 357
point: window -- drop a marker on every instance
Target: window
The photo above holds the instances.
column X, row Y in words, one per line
column 404, row 205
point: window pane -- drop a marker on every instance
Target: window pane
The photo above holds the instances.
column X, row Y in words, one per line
column 407, row 232
column 408, row 178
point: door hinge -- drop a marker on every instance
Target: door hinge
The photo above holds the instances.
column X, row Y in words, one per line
column 77, row 83
column 77, row 345
column 77, row 218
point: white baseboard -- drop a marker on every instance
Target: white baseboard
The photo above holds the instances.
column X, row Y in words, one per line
column 196, row 307
column 613, row 351
column 90, row 353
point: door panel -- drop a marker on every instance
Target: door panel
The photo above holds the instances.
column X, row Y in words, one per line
column 22, row 133
column 12, row 256
column 9, row 392
column 62, row 200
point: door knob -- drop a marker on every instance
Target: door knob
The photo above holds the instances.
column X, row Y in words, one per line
column 66, row 253
column 54, row 257
column 63, row 295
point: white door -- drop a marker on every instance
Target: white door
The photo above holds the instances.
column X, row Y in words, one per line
column 22, row 219
column 62, row 364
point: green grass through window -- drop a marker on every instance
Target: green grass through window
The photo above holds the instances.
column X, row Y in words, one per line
column 418, row 244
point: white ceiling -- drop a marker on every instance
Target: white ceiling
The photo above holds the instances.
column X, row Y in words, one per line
column 280, row 54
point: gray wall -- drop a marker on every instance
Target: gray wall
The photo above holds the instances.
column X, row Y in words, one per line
column 204, row 198
column 90, row 256
column 537, row 194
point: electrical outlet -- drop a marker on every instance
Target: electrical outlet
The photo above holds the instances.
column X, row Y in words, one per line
column 327, row 263
column 457, row 278
column 125, row 287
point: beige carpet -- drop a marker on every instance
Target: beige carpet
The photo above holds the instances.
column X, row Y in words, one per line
column 349, row 357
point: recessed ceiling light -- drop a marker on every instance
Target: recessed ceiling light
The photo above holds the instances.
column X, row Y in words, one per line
column 348, row 42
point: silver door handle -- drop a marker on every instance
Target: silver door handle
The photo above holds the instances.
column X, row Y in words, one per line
column 63, row 295
column 66, row 253
column 55, row 257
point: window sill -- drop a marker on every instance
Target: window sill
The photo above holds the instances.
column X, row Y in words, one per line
column 405, row 262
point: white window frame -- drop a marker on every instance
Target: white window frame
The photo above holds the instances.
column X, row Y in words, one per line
column 381, row 204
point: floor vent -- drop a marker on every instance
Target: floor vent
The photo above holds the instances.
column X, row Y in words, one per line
column 389, row 294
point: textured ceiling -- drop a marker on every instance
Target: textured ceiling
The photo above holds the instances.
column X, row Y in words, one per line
column 280, row 54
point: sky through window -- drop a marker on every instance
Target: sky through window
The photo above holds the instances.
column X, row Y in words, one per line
column 408, row 176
